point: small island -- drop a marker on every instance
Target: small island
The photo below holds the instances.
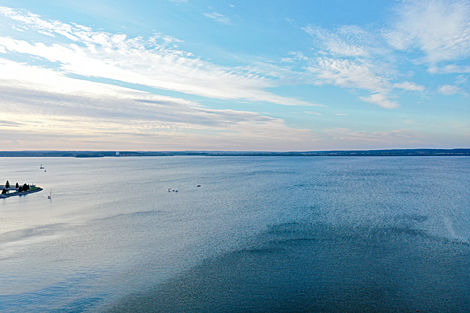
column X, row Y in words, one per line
column 18, row 190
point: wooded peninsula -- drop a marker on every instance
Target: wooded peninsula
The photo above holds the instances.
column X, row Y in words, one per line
column 9, row 190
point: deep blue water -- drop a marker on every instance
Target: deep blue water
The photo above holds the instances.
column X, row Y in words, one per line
column 261, row 234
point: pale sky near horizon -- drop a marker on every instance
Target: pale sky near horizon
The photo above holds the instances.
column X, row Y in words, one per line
column 234, row 75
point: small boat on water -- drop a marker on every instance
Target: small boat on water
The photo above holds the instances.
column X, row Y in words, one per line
column 50, row 195
column 41, row 167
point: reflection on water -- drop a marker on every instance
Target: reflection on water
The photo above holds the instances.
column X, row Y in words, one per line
column 273, row 234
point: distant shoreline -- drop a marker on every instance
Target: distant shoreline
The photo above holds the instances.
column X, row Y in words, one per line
column 95, row 154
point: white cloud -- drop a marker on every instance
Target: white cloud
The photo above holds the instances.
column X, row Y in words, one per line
column 351, row 57
column 155, row 62
column 43, row 102
column 380, row 99
column 312, row 113
column 460, row 79
column 409, row 86
column 349, row 41
column 349, row 74
column 218, row 17
column 438, row 28
column 451, row 68
column 448, row 90
column 287, row 60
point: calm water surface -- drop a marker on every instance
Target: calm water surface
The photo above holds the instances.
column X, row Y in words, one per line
column 261, row 234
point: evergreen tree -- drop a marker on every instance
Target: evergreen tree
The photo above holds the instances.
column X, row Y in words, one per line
column 7, row 185
column 17, row 185
column 4, row 191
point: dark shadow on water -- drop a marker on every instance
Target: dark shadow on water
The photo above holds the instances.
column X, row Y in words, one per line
column 322, row 268
column 131, row 214
column 36, row 231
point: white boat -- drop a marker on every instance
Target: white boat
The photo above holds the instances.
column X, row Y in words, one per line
column 41, row 167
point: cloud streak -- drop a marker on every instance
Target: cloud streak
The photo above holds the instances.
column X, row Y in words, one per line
column 155, row 62
column 218, row 17
column 449, row 90
column 89, row 112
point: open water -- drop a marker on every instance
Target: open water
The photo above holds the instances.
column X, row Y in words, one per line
column 261, row 234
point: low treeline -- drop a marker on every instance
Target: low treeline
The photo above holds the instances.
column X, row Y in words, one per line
column 17, row 188
column 94, row 154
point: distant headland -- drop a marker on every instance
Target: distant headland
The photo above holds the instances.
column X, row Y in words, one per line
column 9, row 190
column 99, row 154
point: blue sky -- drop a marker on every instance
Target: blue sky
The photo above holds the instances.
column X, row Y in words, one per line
column 234, row 75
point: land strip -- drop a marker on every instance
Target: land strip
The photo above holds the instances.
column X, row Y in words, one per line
column 16, row 193
column 94, row 154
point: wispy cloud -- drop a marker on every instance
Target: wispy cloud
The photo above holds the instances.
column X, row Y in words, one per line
column 349, row 41
column 409, row 86
column 218, row 17
column 64, row 80
column 348, row 58
column 448, row 69
column 312, row 113
column 57, row 99
column 349, row 74
column 353, row 57
column 358, row 74
column 155, row 62
column 381, row 100
column 449, row 90
column 85, row 110
column 437, row 28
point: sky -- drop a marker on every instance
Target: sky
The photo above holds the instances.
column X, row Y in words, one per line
column 234, row 75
